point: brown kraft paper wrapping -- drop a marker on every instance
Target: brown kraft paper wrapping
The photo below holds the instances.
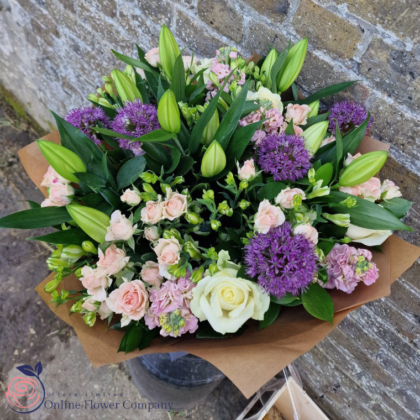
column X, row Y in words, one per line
column 250, row 360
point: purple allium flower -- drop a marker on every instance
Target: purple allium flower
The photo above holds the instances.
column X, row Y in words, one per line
column 284, row 157
column 282, row 262
column 348, row 115
column 135, row 119
column 85, row 118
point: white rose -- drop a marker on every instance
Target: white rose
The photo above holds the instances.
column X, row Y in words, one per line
column 131, row 197
column 285, row 197
column 152, row 233
column 227, row 302
column 174, row 206
column 189, row 62
column 120, row 228
column 206, row 63
column 152, row 213
column 389, row 190
column 152, row 57
column 247, row 171
column 268, row 216
column 264, row 93
column 104, row 311
column 367, row 237
column 308, row 231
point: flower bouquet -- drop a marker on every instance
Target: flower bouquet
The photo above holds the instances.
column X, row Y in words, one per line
column 206, row 198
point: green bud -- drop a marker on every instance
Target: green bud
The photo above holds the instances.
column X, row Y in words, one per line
column 215, row 224
column 149, row 177
column 168, row 51
column 192, row 250
column 73, row 252
column 164, row 187
column 126, row 89
column 57, row 252
column 258, row 85
column 293, row 64
column 90, row 319
column 243, row 185
column 106, row 79
column 178, row 180
column 64, row 161
column 213, row 268
column 52, row 285
column 345, row 240
column 318, row 190
column 109, row 89
column 363, row 168
column 148, row 188
column 193, row 218
column 104, row 102
column 208, row 195
column 89, row 247
column 214, row 160
column 230, row 180
column 223, row 207
column 64, row 294
column 210, row 130
column 172, row 233
column 250, row 67
column 100, row 91
column 342, row 220
column 314, row 136
column 267, row 66
column 78, row 272
column 314, row 109
column 77, row 307
column 55, row 263
column 197, row 275
column 320, row 254
column 91, row 221
column 311, row 176
column 145, row 196
column 129, row 71
column 243, row 204
column 93, row 98
column 168, row 113
column 229, row 213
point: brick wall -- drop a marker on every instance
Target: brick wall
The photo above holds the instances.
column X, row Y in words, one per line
column 54, row 52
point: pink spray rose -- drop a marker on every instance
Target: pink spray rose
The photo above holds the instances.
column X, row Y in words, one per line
column 285, row 197
column 89, row 305
column 389, row 190
column 152, row 57
column 131, row 197
column 130, row 299
column 104, row 312
column 152, row 233
column 370, row 190
column 168, row 251
column 113, row 261
column 298, row 113
column 308, row 231
column 51, row 178
column 258, row 136
column 274, row 121
column 152, row 213
column 96, row 282
column 268, row 216
column 120, row 228
column 150, row 273
column 59, row 195
column 174, row 206
column 247, row 171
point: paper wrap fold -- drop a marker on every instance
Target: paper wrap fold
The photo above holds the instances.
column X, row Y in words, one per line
column 250, row 360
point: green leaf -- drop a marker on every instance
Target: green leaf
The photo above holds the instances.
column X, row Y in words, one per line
column 147, row 337
column 249, row 106
column 366, row 214
column 316, row 119
column 155, row 136
column 133, row 62
column 278, row 67
column 175, row 157
column 205, row 330
column 158, row 153
column 318, row 302
column 231, row 118
column 398, row 206
column 64, row 237
column 295, row 92
column 76, row 141
column 330, row 230
column 328, row 91
column 270, row 190
column 123, row 343
column 92, row 200
column 134, row 337
column 285, row 300
column 92, row 221
column 91, row 180
column 231, row 247
column 184, row 166
column 270, row 316
column 153, row 165
column 36, row 218
column 290, row 128
column 178, row 79
column 110, row 197
column 130, row 171
column 339, row 147
column 325, row 246
column 33, row 204
column 325, row 172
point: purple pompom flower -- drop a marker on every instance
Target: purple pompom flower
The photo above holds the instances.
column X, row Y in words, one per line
column 284, row 157
column 85, row 118
column 135, row 119
column 281, row 262
column 348, row 115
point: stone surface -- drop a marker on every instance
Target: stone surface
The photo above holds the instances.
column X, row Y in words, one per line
column 393, row 70
column 261, row 38
column 276, row 10
column 222, row 17
column 326, row 30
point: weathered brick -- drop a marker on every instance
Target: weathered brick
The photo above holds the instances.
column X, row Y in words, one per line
column 401, row 17
column 262, row 37
column 327, row 31
column 45, row 30
column 158, row 11
column 395, row 71
column 195, row 37
column 222, row 17
column 276, row 10
column 109, row 8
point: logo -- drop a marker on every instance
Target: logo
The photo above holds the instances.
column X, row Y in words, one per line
column 26, row 393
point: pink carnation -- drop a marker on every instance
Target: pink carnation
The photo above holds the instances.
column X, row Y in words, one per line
column 274, row 120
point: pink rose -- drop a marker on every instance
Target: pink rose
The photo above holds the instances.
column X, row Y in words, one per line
column 327, row 140
column 51, row 178
column 113, row 261
column 298, row 113
column 274, row 121
column 89, row 305
column 167, row 251
column 131, row 197
column 120, row 228
column 150, row 273
column 59, row 195
column 152, row 233
column 351, row 190
column 308, row 231
column 152, row 213
column 389, row 190
column 174, row 206
column 298, row 130
column 258, row 136
column 371, row 189
column 285, row 198
column 96, row 282
column 268, row 216
column 247, row 171
column 349, row 159
column 130, row 299
column 152, row 57
column 103, row 311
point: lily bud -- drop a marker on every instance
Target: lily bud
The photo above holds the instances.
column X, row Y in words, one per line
column 342, row 220
column 267, row 66
column 168, row 50
column 168, row 113
column 197, row 275
column 215, row 224
column 293, row 64
column 110, row 91
column 210, row 129
column 89, row 247
column 57, row 252
column 363, row 168
column 63, row 160
column 73, row 252
column 243, row 204
column 52, row 285
column 93, row 98
column 104, row 102
column 214, row 160
column 314, row 109
column 126, row 89
column 314, row 136
column 57, row 263
column 193, row 218
column 149, row 177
